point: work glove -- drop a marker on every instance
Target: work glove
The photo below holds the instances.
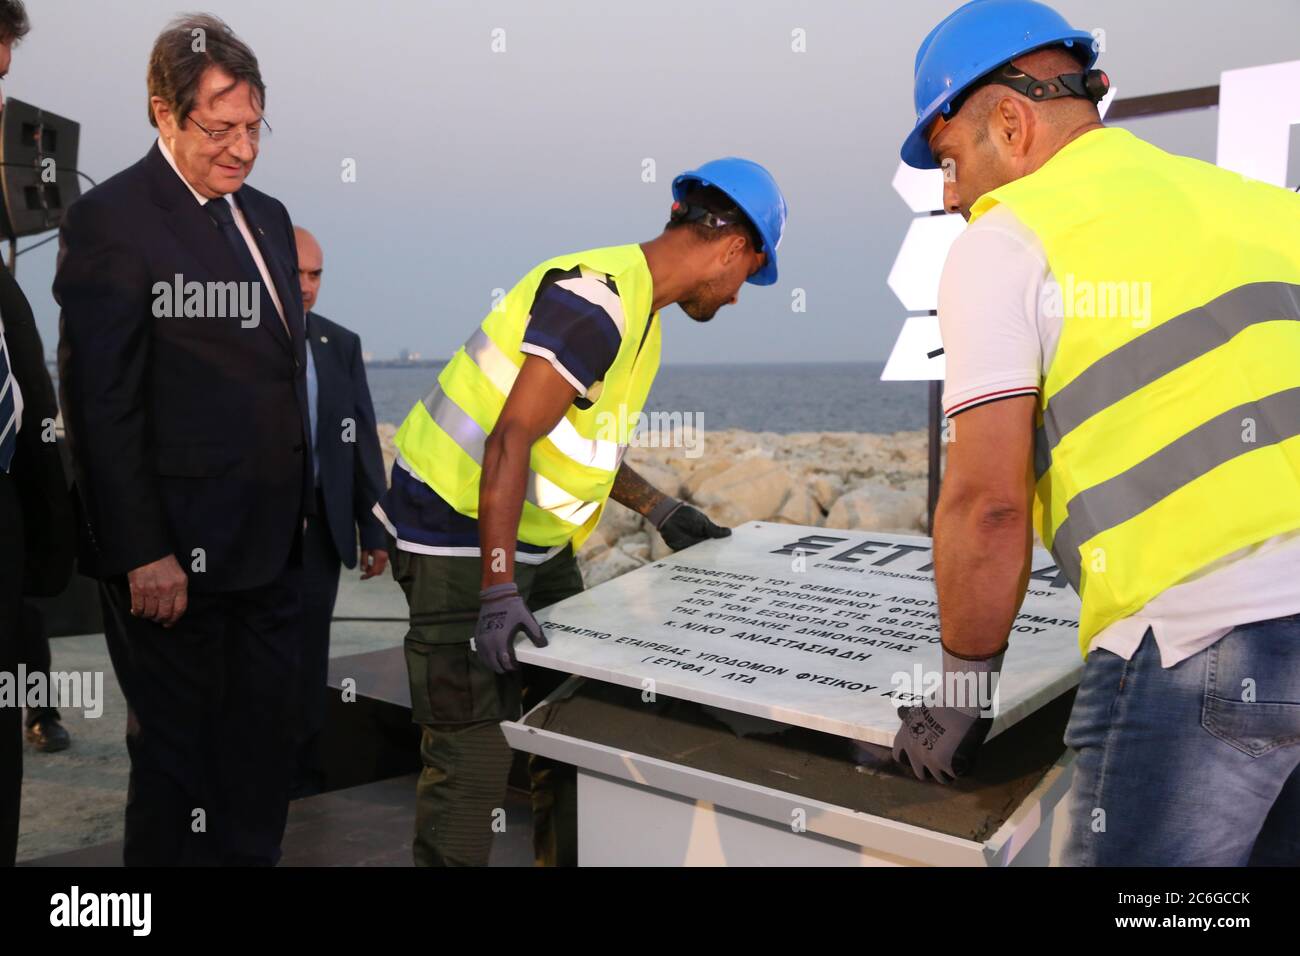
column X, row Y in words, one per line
column 942, row 736
column 502, row 613
column 682, row 526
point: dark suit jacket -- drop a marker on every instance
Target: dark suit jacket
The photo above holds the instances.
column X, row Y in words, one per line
column 185, row 433
column 37, row 468
column 351, row 463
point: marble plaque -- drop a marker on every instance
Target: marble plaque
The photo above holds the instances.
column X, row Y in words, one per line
column 814, row 627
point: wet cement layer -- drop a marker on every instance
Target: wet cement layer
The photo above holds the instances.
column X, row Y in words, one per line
column 816, row 765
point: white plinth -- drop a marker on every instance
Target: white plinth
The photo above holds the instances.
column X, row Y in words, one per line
column 640, row 810
column 627, row 824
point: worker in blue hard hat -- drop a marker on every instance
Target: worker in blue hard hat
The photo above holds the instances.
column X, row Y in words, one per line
column 504, row 469
column 1121, row 329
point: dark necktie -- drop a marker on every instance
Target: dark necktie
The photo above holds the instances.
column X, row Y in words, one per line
column 220, row 212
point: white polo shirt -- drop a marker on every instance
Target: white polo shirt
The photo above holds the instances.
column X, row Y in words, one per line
column 999, row 336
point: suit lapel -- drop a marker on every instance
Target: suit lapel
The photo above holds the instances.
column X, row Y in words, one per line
column 320, row 358
column 318, row 354
column 288, row 299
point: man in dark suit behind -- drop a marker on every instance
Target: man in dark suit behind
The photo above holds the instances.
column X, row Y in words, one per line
column 35, row 515
column 187, row 422
column 349, row 480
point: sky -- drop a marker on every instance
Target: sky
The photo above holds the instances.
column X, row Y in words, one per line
column 473, row 163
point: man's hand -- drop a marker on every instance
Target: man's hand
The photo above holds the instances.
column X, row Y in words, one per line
column 943, row 734
column 159, row 591
column 940, row 740
column 373, row 562
column 501, row 615
column 682, row 526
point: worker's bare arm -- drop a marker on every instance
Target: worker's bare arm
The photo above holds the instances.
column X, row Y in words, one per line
column 982, row 525
column 633, row 491
column 538, row 400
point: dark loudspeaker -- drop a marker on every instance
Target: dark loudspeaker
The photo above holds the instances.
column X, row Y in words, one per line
column 38, row 150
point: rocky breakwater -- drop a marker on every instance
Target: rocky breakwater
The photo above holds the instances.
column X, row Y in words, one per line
column 845, row 480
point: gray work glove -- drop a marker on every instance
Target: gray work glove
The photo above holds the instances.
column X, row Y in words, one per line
column 942, row 736
column 682, row 526
column 502, row 614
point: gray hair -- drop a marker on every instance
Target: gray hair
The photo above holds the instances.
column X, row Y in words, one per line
column 185, row 49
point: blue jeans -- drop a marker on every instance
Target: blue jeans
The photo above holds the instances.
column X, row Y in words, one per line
column 1194, row 765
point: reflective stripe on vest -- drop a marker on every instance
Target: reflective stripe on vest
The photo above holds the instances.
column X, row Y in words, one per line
column 1169, row 435
column 595, row 452
column 571, row 469
column 467, row 434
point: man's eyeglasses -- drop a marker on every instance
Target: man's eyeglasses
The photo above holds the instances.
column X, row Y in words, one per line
column 227, row 135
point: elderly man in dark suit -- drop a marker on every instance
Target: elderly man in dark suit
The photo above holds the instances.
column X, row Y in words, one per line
column 349, row 479
column 183, row 368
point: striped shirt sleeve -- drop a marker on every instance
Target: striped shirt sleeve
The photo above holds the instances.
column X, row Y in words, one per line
column 577, row 325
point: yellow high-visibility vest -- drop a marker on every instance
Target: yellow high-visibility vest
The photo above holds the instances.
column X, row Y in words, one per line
column 1169, row 428
column 572, row 469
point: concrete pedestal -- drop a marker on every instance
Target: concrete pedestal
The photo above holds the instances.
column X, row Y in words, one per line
column 622, row 823
column 665, row 784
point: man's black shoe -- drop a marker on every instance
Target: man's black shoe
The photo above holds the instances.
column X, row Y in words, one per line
column 47, row 735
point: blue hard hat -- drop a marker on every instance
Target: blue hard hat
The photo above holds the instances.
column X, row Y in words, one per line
column 755, row 192
column 972, row 41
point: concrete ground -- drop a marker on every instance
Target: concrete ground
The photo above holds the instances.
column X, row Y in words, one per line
column 76, row 798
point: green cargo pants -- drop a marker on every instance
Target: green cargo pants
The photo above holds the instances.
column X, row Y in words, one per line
column 459, row 703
